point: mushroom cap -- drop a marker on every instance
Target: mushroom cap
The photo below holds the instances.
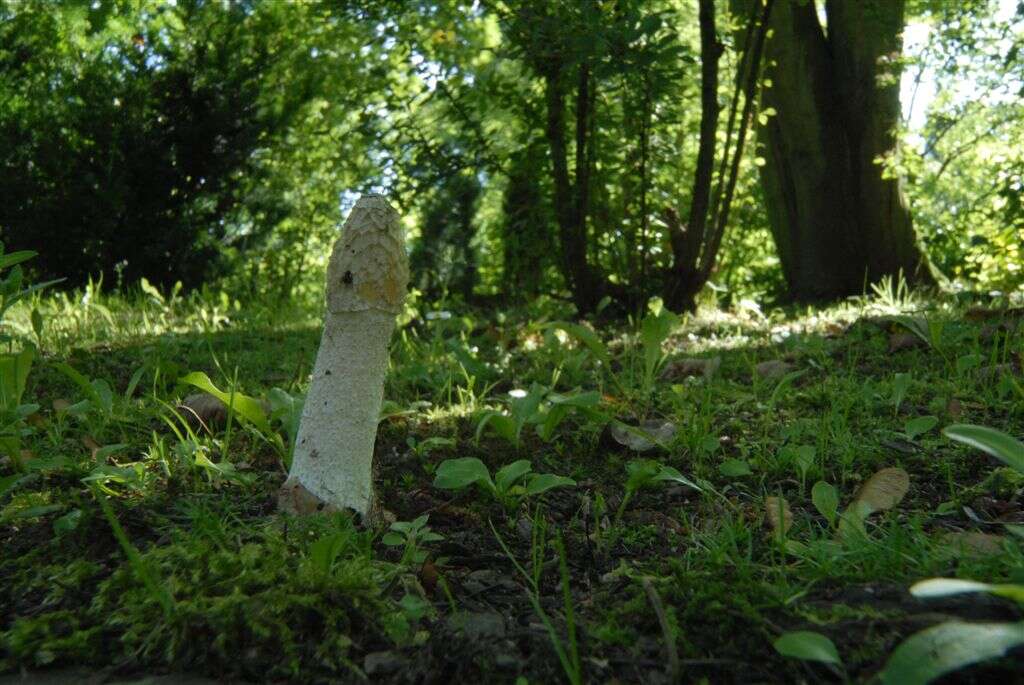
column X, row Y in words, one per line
column 369, row 268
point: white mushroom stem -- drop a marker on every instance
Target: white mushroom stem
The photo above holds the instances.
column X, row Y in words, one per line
column 332, row 466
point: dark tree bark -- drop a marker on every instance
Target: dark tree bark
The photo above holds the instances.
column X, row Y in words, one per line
column 695, row 245
column 571, row 196
column 683, row 283
column 838, row 223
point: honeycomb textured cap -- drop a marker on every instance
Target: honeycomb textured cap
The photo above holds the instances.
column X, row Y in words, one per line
column 369, row 268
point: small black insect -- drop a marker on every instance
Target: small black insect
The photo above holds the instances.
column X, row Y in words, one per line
column 347, row 278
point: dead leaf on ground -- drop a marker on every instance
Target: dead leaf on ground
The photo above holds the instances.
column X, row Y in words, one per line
column 954, row 409
column 656, row 518
column 995, row 372
column 91, row 445
column 901, row 340
column 645, row 436
column 775, row 368
column 883, row 490
column 687, row 368
column 834, row 329
column 974, row 543
column 989, row 313
column 61, row 405
column 429, row 576
column 991, row 330
column 779, row 516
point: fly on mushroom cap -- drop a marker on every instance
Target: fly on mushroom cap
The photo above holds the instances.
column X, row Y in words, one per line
column 367, row 261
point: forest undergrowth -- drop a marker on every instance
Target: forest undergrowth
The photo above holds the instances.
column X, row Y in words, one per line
column 729, row 496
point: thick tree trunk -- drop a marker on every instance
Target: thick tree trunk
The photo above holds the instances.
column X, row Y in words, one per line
column 838, row 223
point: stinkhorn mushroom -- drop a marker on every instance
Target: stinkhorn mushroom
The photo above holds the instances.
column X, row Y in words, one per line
column 332, row 464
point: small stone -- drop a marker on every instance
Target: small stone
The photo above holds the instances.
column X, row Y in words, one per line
column 381, row 663
column 524, row 527
column 507, row 662
column 204, row 410
column 478, row 625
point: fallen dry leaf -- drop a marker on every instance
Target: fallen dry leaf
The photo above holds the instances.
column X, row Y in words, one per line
column 884, row 490
column 779, row 516
column 901, row 340
column 91, row 445
column 60, row 405
column 954, row 409
column 660, row 431
column 995, row 372
column 293, row 498
column 974, row 543
column 775, row 368
column 988, row 313
column 834, row 329
column 991, row 330
column 687, row 368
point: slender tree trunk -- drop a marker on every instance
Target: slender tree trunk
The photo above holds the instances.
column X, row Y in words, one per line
column 681, row 285
column 572, row 199
column 695, row 246
column 838, row 223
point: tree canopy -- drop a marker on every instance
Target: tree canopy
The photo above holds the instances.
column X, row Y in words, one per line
column 595, row 150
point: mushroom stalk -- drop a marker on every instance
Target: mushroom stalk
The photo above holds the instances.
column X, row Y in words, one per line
column 332, row 465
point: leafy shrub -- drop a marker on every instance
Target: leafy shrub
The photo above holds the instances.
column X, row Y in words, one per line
column 128, row 135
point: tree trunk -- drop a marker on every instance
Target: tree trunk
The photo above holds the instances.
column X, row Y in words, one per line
column 695, row 246
column 571, row 199
column 837, row 222
column 683, row 281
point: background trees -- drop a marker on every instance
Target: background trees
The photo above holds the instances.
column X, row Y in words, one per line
column 578, row 149
column 837, row 220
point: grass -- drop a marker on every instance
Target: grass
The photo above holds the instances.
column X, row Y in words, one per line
column 195, row 570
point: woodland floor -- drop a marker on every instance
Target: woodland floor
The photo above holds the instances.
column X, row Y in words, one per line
column 688, row 585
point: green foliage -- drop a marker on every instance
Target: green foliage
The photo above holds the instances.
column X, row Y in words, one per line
column 948, row 647
column 655, row 328
column 15, row 365
column 542, row 408
column 826, row 501
column 411, row 535
column 808, row 646
column 511, row 485
column 243, row 406
column 568, row 649
column 1007, row 449
column 143, row 139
